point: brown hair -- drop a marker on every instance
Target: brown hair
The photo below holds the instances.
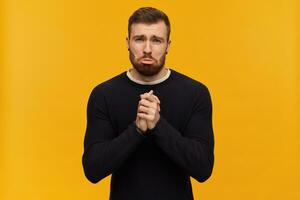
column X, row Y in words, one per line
column 149, row 15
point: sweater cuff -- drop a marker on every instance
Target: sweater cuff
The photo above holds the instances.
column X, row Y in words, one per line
column 133, row 131
column 163, row 128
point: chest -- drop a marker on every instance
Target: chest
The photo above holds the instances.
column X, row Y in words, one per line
column 175, row 109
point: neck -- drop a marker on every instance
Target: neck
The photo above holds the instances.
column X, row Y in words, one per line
column 135, row 74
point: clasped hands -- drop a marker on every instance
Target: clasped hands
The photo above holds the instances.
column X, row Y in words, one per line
column 148, row 112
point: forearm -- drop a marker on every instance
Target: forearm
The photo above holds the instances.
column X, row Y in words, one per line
column 194, row 155
column 104, row 157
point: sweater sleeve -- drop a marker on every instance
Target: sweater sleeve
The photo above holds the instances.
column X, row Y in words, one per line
column 104, row 151
column 193, row 149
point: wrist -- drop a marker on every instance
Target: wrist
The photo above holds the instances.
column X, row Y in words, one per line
column 140, row 130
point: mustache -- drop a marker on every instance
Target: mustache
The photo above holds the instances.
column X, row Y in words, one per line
column 147, row 56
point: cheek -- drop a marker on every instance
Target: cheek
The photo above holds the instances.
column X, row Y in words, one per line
column 136, row 50
column 159, row 52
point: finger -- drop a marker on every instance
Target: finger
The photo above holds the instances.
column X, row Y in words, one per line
column 137, row 120
column 149, row 97
column 145, row 116
column 152, row 94
column 148, row 104
column 147, row 94
column 143, row 109
column 153, row 107
column 147, row 110
column 157, row 99
column 145, row 102
column 152, row 98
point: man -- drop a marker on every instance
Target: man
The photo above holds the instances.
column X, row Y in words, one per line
column 150, row 127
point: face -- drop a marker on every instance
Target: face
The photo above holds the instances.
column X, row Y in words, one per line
column 148, row 47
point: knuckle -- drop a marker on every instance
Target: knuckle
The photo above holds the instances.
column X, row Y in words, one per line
column 155, row 106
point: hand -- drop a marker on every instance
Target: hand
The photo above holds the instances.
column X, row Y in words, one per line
column 142, row 123
column 148, row 109
column 151, row 97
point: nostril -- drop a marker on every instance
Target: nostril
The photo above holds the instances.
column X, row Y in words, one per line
column 147, row 48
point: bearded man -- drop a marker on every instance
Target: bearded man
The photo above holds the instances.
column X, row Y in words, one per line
column 150, row 126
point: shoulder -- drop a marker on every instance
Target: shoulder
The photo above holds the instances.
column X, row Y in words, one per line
column 107, row 86
column 189, row 83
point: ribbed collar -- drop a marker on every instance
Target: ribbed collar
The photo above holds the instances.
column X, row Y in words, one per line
column 148, row 83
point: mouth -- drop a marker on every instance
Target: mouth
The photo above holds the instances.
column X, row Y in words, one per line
column 147, row 61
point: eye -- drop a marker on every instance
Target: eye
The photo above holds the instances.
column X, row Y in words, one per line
column 156, row 41
column 138, row 39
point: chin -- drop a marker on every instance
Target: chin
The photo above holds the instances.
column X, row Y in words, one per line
column 148, row 70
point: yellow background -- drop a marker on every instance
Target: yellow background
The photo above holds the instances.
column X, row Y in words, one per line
column 53, row 52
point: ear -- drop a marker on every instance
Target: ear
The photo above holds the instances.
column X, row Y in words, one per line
column 127, row 43
column 168, row 46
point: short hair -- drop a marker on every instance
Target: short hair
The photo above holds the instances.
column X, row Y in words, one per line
column 149, row 15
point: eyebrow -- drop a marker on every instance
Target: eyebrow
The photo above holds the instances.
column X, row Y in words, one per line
column 138, row 36
column 157, row 37
column 154, row 36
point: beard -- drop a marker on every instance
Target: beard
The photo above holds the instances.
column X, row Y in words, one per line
column 147, row 69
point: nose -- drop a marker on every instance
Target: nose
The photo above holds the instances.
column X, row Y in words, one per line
column 147, row 47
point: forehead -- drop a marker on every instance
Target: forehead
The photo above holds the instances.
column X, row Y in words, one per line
column 157, row 29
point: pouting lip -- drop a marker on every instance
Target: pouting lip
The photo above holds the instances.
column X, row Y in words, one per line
column 147, row 59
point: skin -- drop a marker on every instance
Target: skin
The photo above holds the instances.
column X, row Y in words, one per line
column 148, row 111
column 148, row 46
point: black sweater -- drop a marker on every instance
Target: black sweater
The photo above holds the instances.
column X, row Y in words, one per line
column 158, row 165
